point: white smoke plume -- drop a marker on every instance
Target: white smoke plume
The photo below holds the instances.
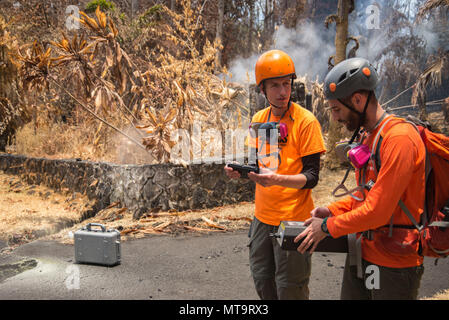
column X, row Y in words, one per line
column 426, row 31
column 308, row 45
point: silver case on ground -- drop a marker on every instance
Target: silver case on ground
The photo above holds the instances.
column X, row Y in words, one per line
column 97, row 246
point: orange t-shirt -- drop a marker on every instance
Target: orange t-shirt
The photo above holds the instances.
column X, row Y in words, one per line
column 401, row 176
column 276, row 203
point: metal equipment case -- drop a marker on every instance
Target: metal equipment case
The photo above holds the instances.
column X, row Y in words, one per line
column 97, row 246
column 289, row 230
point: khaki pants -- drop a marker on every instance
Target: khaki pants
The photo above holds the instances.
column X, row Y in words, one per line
column 277, row 273
column 392, row 283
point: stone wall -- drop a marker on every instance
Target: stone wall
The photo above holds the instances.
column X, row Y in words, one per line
column 140, row 188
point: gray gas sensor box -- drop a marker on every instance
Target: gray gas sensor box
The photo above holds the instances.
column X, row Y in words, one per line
column 289, row 230
column 97, row 245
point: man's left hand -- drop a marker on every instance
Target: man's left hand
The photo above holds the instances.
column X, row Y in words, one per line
column 312, row 235
column 265, row 178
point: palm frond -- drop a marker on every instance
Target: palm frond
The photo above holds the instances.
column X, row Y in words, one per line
column 430, row 5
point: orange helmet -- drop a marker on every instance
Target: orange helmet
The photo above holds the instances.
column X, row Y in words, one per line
column 274, row 64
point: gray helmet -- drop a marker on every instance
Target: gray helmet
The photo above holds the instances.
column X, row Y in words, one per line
column 348, row 77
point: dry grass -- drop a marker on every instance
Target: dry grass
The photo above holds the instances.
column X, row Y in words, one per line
column 30, row 211
column 329, row 180
column 62, row 141
column 48, row 139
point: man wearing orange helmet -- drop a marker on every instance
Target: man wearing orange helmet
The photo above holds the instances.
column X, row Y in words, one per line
column 288, row 171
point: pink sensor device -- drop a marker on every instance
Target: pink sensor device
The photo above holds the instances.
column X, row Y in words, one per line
column 359, row 156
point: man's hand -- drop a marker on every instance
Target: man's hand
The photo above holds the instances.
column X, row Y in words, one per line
column 265, row 177
column 320, row 212
column 312, row 235
column 231, row 173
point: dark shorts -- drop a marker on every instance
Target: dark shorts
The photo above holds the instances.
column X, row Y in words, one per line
column 277, row 273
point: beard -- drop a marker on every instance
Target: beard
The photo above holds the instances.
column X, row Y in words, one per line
column 352, row 123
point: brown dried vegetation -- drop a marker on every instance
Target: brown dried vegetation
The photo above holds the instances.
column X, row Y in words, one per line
column 88, row 83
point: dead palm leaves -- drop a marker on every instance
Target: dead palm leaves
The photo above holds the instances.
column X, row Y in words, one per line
column 77, row 62
column 103, row 26
column 159, row 131
column 179, row 82
column 169, row 88
column 430, row 5
column 433, row 76
column 171, row 222
column 34, row 63
column 73, row 49
column 433, row 73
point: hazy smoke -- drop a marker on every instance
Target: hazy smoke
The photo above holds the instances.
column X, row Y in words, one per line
column 127, row 152
column 426, row 31
column 309, row 46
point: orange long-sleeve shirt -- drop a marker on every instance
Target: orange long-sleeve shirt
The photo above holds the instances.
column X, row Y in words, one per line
column 401, row 176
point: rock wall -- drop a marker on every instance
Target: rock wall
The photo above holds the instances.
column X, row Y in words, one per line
column 140, row 188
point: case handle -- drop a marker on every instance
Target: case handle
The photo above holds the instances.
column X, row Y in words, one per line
column 103, row 228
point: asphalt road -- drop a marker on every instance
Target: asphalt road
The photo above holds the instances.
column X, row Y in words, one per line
column 162, row 267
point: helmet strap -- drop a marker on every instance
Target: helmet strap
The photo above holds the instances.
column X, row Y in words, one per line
column 362, row 115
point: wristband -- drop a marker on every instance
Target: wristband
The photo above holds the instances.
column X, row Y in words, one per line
column 324, row 226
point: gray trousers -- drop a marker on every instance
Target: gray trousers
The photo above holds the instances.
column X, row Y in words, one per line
column 278, row 274
column 381, row 283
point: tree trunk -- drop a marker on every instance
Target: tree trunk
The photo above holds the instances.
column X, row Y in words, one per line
column 311, row 9
column 419, row 98
column 446, row 110
column 268, row 24
column 341, row 38
column 265, row 25
column 335, row 129
column 134, row 8
column 172, row 5
column 249, row 48
column 219, row 34
column 422, row 106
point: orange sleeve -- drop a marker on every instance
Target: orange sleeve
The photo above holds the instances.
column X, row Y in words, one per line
column 342, row 206
column 311, row 140
column 398, row 157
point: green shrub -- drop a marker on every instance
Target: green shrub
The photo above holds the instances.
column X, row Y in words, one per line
column 104, row 6
column 151, row 15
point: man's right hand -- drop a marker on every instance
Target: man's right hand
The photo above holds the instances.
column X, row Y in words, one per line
column 231, row 173
column 320, row 212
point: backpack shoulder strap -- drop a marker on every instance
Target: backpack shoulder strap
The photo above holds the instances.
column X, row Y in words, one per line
column 375, row 150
